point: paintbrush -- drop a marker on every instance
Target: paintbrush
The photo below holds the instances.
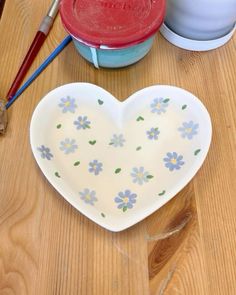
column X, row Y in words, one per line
column 4, row 106
column 37, row 43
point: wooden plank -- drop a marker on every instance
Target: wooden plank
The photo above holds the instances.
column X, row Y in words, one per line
column 176, row 263
column 2, row 2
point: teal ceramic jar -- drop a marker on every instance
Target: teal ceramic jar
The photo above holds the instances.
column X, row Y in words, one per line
column 112, row 34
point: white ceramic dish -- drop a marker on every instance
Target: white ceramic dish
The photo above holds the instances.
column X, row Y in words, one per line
column 118, row 162
column 195, row 45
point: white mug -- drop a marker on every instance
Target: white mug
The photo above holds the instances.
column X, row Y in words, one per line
column 201, row 19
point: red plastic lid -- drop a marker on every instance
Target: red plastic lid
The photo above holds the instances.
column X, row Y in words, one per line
column 112, row 23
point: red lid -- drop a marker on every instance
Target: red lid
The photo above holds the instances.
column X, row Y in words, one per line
column 112, row 23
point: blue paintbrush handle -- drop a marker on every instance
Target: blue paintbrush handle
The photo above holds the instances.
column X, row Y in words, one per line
column 47, row 61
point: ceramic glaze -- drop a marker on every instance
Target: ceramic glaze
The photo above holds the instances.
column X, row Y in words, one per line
column 114, row 58
column 116, row 41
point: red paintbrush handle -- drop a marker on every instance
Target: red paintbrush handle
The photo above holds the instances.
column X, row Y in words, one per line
column 30, row 56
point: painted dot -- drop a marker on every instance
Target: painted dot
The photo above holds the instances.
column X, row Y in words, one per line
column 162, row 193
column 197, row 152
column 92, row 142
column 140, row 118
column 57, row 175
column 118, row 170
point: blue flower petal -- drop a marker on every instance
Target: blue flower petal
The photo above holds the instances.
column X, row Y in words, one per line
column 185, row 125
column 118, row 200
column 121, row 194
column 175, row 155
column 133, row 201
column 129, row 205
column 169, row 155
column 127, row 193
column 120, row 205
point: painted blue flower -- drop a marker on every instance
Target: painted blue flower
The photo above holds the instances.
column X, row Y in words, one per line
column 68, row 104
column 139, row 175
column 95, row 167
column 173, row 161
column 159, row 105
column 68, row 146
column 89, row 197
column 126, row 200
column 45, row 152
column 153, row 133
column 188, row 129
column 82, row 122
column 117, row 140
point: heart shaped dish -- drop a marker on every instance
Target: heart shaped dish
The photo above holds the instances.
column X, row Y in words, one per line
column 118, row 162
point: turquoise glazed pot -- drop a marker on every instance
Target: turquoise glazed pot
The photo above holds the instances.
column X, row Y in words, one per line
column 112, row 34
column 114, row 58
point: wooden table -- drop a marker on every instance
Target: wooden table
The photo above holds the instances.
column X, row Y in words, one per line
column 48, row 247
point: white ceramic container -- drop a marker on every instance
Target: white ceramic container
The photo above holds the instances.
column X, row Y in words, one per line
column 200, row 20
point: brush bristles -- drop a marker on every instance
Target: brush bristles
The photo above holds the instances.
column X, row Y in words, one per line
column 3, row 117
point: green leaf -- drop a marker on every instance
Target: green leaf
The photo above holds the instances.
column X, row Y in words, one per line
column 184, row 107
column 111, row 143
column 92, row 142
column 77, row 163
column 166, row 100
column 117, row 170
column 150, row 176
column 103, row 215
column 57, row 175
column 140, row 118
column 100, row 101
column 58, row 126
column 138, row 148
column 87, row 126
column 156, row 129
column 197, row 152
column 162, row 193
column 125, row 209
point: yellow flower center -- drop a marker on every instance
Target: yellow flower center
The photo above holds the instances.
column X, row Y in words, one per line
column 152, row 134
column 158, row 106
column 126, row 200
column 140, row 175
column 88, row 197
column 173, row 161
column 68, row 145
column 67, row 103
column 188, row 130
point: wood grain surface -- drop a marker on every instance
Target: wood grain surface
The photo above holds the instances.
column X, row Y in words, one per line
column 47, row 247
column 2, row 2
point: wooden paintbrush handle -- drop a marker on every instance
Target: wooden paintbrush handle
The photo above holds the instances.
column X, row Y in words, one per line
column 28, row 60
